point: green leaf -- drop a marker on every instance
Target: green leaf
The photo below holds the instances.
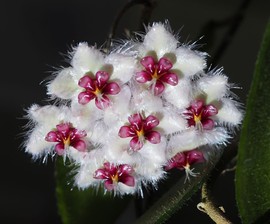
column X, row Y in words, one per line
column 84, row 206
column 253, row 164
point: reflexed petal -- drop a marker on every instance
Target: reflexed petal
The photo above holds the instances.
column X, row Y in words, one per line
column 79, row 145
column 210, row 110
column 60, row 149
column 191, row 122
column 195, row 156
column 208, row 124
column 52, row 137
column 149, row 63
column 87, row 83
column 126, row 131
column 128, row 180
column 170, row 165
column 111, row 88
column 180, row 159
column 125, row 169
column 80, row 134
column 109, row 185
column 153, row 137
column 197, row 106
column 102, row 77
column 169, row 78
column 143, row 77
column 164, row 65
column 157, row 87
column 100, row 174
column 102, row 103
column 135, row 119
column 107, row 166
column 150, row 122
column 85, row 97
column 135, row 144
column 64, row 127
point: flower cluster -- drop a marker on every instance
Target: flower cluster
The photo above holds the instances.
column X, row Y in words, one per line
column 127, row 117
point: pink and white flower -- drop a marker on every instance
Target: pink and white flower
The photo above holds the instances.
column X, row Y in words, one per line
column 53, row 132
column 140, row 130
column 157, row 73
column 91, row 75
column 113, row 174
column 126, row 118
column 165, row 63
column 184, row 160
column 66, row 135
column 97, row 88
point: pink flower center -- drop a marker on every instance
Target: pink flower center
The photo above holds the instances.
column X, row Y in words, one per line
column 66, row 135
column 158, row 73
column 97, row 88
column 198, row 114
column 113, row 174
column 140, row 130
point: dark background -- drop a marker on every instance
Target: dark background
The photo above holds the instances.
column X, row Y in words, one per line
column 34, row 35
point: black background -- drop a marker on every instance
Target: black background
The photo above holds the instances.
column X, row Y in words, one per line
column 35, row 33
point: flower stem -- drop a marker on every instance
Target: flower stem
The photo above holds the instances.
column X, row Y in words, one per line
column 207, row 206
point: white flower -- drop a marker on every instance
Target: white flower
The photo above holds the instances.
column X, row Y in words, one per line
column 92, row 76
column 211, row 114
column 126, row 118
column 54, row 133
column 165, row 62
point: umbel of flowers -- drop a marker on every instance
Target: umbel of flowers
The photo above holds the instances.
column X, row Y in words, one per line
column 127, row 117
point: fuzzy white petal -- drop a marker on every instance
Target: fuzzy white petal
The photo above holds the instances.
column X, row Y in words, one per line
column 123, row 67
column 75, row 155
column 182, row 141
column 85, row 175
column 45, row 119
column 171, row 122
column 179, row 95
column 229, row 112
column 96, row 132
column 85, row 115
column 63, row 85
column 215, row 87
column 144, row 100
column 86, row 59
column 125, row 189
column 116, row 148
column 159, row 40
column 192, row 139
column 89, row 118
column 151, row 160
column 188, row 62
column 120, row 108
column 36, row 144
column 48, row 115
